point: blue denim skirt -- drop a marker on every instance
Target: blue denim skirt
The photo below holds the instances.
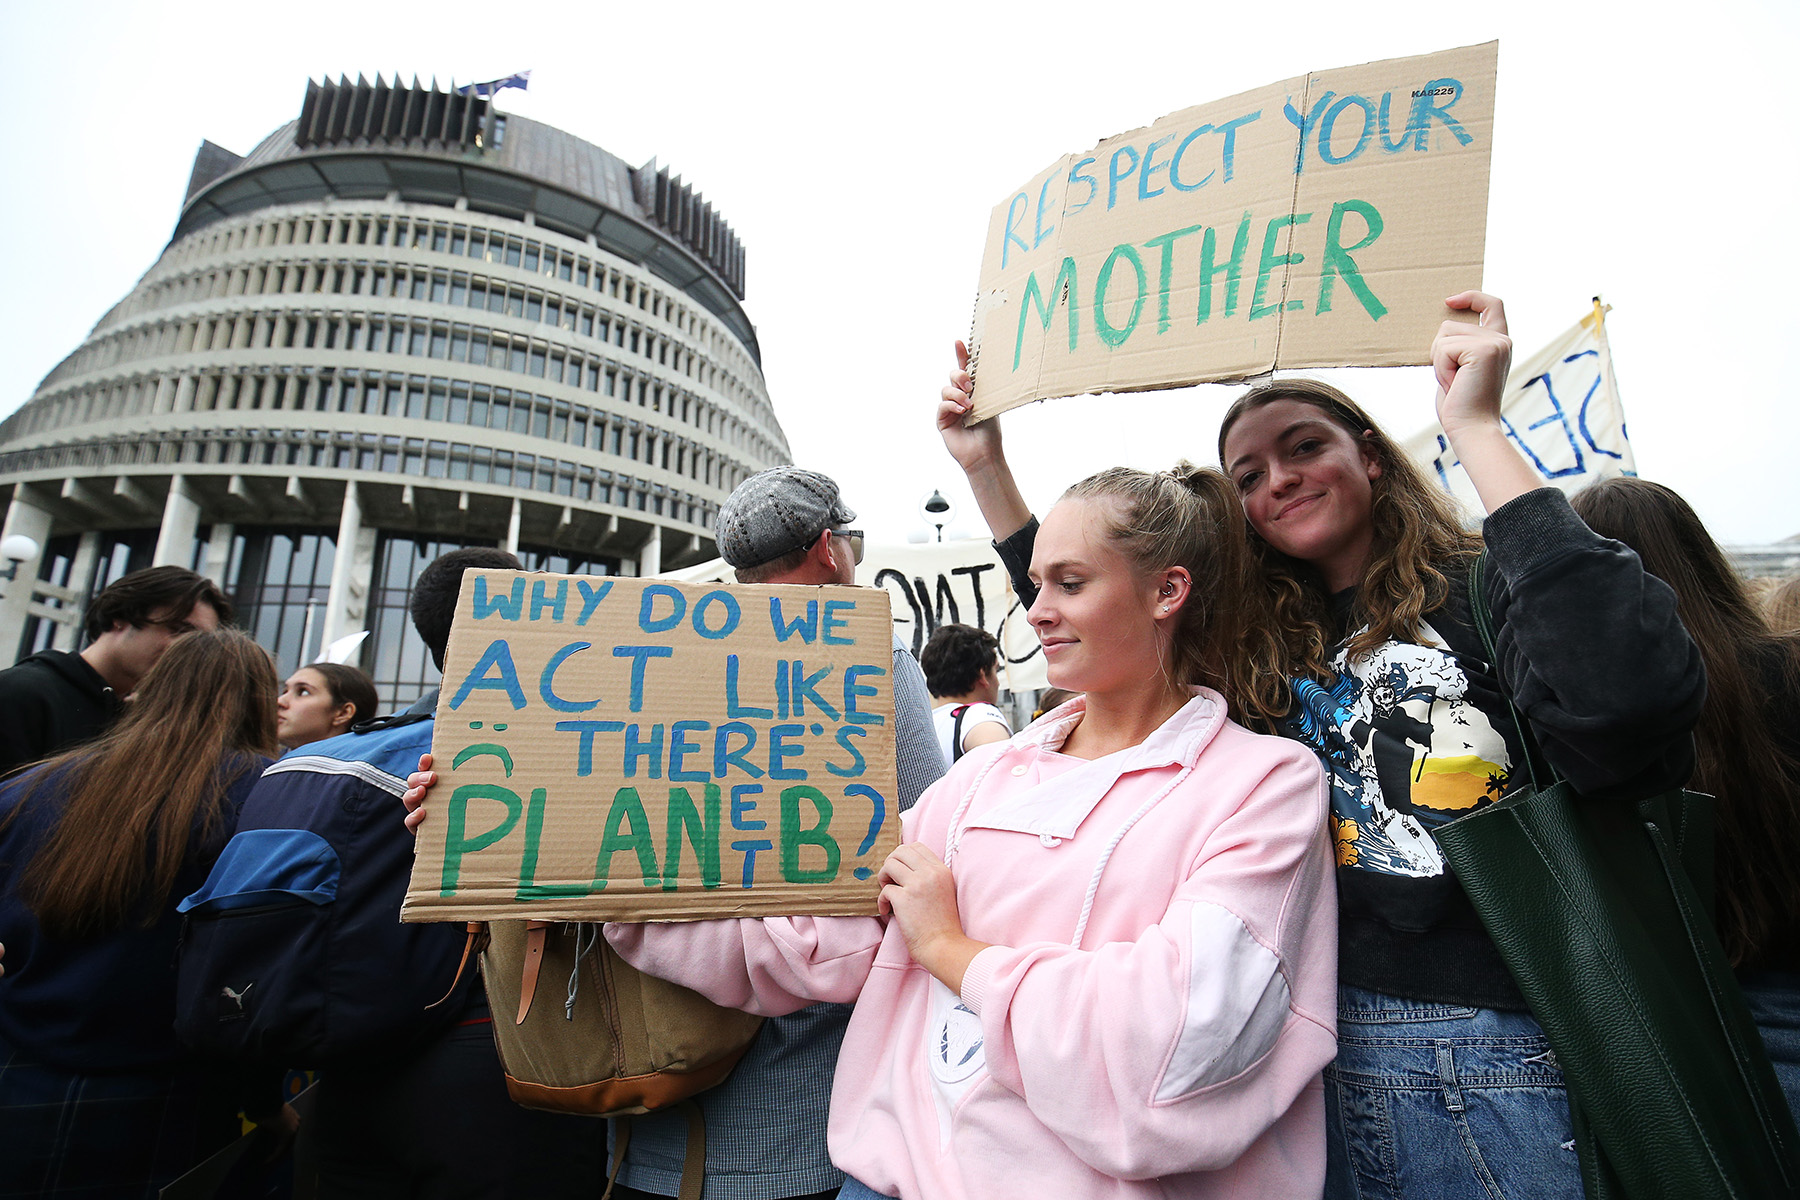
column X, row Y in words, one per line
column 1443, row 1102
column 852, row 1190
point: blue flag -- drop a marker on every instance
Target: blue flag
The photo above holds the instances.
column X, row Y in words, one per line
column 522, row 81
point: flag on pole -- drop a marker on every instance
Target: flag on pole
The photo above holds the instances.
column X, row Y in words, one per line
column 1561, row 409
column 344, row 649
column 522, row 81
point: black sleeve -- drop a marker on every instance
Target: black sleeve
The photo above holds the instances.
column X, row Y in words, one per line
column 1015, row 556
column 1592, row 650
column 26, row 730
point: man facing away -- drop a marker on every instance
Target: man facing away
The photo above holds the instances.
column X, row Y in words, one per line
column 54, row 699
column 962, row 669
column 765, row 1125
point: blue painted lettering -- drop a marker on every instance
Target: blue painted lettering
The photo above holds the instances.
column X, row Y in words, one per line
column 806, row 626
column 497, row 657
column 540, row 602
column 584, row 754
column 680, row 747
column 546, row 681
column 741, row 808
column 853, row 689
column 725, row 758
column 505, row 606
column 732, row 707
column 834, row 622
column 640, row 656
column 648, row 621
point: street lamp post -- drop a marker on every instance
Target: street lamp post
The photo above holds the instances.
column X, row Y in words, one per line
column 937, row 511
column 16, row 549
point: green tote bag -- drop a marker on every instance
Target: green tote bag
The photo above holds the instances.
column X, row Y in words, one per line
column 1600, row 910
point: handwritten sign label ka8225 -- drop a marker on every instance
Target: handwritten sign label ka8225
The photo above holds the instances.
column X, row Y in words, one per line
column 635, row 749
column 1316, row 222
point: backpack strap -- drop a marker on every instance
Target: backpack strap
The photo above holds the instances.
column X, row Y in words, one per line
column 621, row 1139
column 536, row 933
column 693, row 1165
column 473, row 945
column 956, row 746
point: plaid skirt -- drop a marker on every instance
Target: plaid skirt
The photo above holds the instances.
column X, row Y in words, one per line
column 101, row 1137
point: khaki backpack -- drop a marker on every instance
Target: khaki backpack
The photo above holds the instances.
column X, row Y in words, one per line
column 580, row 1030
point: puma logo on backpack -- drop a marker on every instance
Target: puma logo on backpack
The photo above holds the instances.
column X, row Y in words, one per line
column 292, row 952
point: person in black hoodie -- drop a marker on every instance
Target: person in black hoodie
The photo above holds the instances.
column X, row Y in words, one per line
column 55, row 699
column 97, row 1098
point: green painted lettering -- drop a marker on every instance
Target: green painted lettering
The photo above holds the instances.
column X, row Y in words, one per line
column 456, row 840
column 793, row 836
column 701, row 833
column 1061, row 292
column 1271, row 260
column 1337, row 261
column 627, row 809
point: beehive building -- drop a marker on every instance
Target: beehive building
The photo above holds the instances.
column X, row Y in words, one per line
column 406, row 321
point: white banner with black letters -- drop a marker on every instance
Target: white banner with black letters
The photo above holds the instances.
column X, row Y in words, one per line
column 939, row 583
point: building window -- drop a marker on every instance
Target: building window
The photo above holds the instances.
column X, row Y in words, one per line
column 394, row 654
column 276, row 575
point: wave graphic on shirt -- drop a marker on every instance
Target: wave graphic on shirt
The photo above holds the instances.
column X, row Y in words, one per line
column 1405, row 750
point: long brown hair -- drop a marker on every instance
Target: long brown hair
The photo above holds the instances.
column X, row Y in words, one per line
column 136, row 799
column 1739, row 759
column 1417, row 533
column 1189, row 517
column 1781, row 606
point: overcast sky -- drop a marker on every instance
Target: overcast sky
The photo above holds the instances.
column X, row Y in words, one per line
column 1644, row 153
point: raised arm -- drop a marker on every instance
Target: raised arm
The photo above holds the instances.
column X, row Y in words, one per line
column 977, row 450
column 1590, row 643
column 1592, row 648
column 1471, row 363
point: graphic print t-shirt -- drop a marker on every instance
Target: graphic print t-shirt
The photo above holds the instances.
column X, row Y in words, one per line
column 1412, row 736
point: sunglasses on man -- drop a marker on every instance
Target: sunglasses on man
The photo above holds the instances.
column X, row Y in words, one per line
column 856, row 542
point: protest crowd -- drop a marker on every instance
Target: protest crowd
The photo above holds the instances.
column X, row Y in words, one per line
column 1360, row 852
column 1247, row 972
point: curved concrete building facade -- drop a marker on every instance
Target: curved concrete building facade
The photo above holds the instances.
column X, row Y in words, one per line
column 404, row 322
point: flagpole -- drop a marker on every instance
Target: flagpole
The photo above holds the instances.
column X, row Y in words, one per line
column 1607, row 379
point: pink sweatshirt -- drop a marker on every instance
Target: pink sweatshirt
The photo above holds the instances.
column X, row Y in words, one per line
column 1158, row 1002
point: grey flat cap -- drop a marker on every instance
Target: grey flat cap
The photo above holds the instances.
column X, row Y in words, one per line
column 776, row 512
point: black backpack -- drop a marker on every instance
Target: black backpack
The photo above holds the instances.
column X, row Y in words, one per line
column 293, row 953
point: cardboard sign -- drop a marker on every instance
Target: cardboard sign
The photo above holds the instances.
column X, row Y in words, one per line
column 1561, row 409
column 642, row 750
column 1316, row 222
column 937, row 583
